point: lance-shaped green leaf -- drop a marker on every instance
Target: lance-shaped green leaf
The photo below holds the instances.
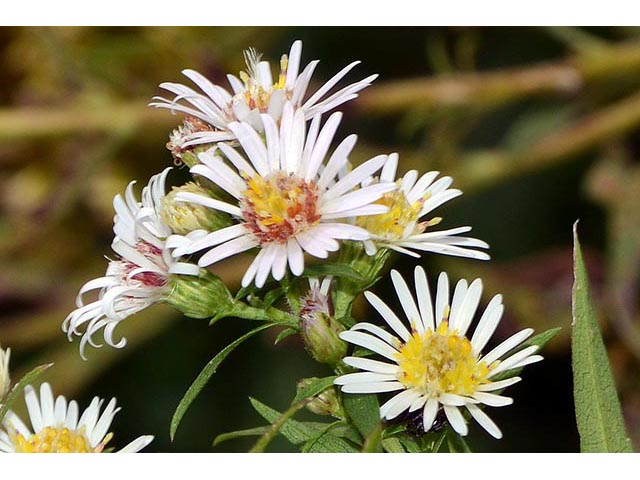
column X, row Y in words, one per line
column 299, row 432
column 316, row 386
column 19, row 387
column 204, row 376
column 598, row 413
column 249, row 432
column 364, row 412
column 339, row 270
column 456, row 443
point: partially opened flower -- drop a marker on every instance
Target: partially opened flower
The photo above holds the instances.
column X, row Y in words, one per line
column 140, row 275
column 255, row 93
column 283, row 195
column 406, row 225
column 431, row 362
column 58, row 427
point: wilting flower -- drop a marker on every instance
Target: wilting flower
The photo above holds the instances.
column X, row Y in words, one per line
column 57, row 427
column 404, row 228
column 285, row 199
column 5, row 381
column 433, row 364
column 254, row 93
column 139, row 277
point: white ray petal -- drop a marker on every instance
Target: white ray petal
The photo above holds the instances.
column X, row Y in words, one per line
column 370, row 342
column 442, row 298
column 456, row 420
column 407, row 302
column 371, row 365
column 391, row 318
column 484, row 421
column 424, row 298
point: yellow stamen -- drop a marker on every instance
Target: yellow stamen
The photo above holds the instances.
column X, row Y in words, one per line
column 393, row 224
column 278, row 206
column 441, row 362
column 255, row 95
column 56, row 440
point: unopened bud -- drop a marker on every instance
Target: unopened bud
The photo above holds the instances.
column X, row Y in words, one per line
column 320, row 336
column 185, row 217
column 325, row 403
column 5, row 381
column 198, row 297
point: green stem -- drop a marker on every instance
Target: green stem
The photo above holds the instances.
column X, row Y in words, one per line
column 268, row 436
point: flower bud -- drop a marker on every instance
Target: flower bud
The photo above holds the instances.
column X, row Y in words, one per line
column 325, row 403
column 198, row 297
column 185, row 217
column 4, row 372
column 319, row 329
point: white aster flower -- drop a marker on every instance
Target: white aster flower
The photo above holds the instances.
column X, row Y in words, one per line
column 139, row 278
column 5, row 381
column 433, row 364
column 57, row 426
column 403, row 228
column 255, row 93
column 285, row 199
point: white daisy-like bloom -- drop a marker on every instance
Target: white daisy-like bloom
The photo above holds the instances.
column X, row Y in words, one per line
column 404, row 227
column 5, row 380
column 255, row 93
column 58, row 427
column 286, row 199
column 432, row 363
column 139, row 277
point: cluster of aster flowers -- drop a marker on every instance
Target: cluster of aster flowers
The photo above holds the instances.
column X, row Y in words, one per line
column 268, row 181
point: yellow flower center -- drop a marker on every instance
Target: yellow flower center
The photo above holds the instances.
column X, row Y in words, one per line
column 441, row 362
column 279, row 206
column 56, row 440
column 393, row 224
column 254, row 94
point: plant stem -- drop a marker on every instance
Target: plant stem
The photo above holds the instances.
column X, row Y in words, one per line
column 268, row 436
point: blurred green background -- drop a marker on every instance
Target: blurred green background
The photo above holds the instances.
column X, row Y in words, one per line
column 538, row 126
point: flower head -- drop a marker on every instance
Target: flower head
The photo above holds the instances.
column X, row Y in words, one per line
column 255, row 93
column 139, row 277
column 433, row 363
column 57, row 427
column 5, row 381
column 404, row 228
column 284, row 198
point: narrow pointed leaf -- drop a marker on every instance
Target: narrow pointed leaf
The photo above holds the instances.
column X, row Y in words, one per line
column 393, row 445
column 598, row 414
column 316, row 387
column 19, row 387
column 249, row 432
column 457, row 443
column 298, row 432
column 334, row 269
column 204, row 376
column 364, row 412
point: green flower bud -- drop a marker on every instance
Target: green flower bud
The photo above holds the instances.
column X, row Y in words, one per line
column 319, row 329
column 198, row 297
column 5, row 381
column 325, row 403
column 185, row 217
